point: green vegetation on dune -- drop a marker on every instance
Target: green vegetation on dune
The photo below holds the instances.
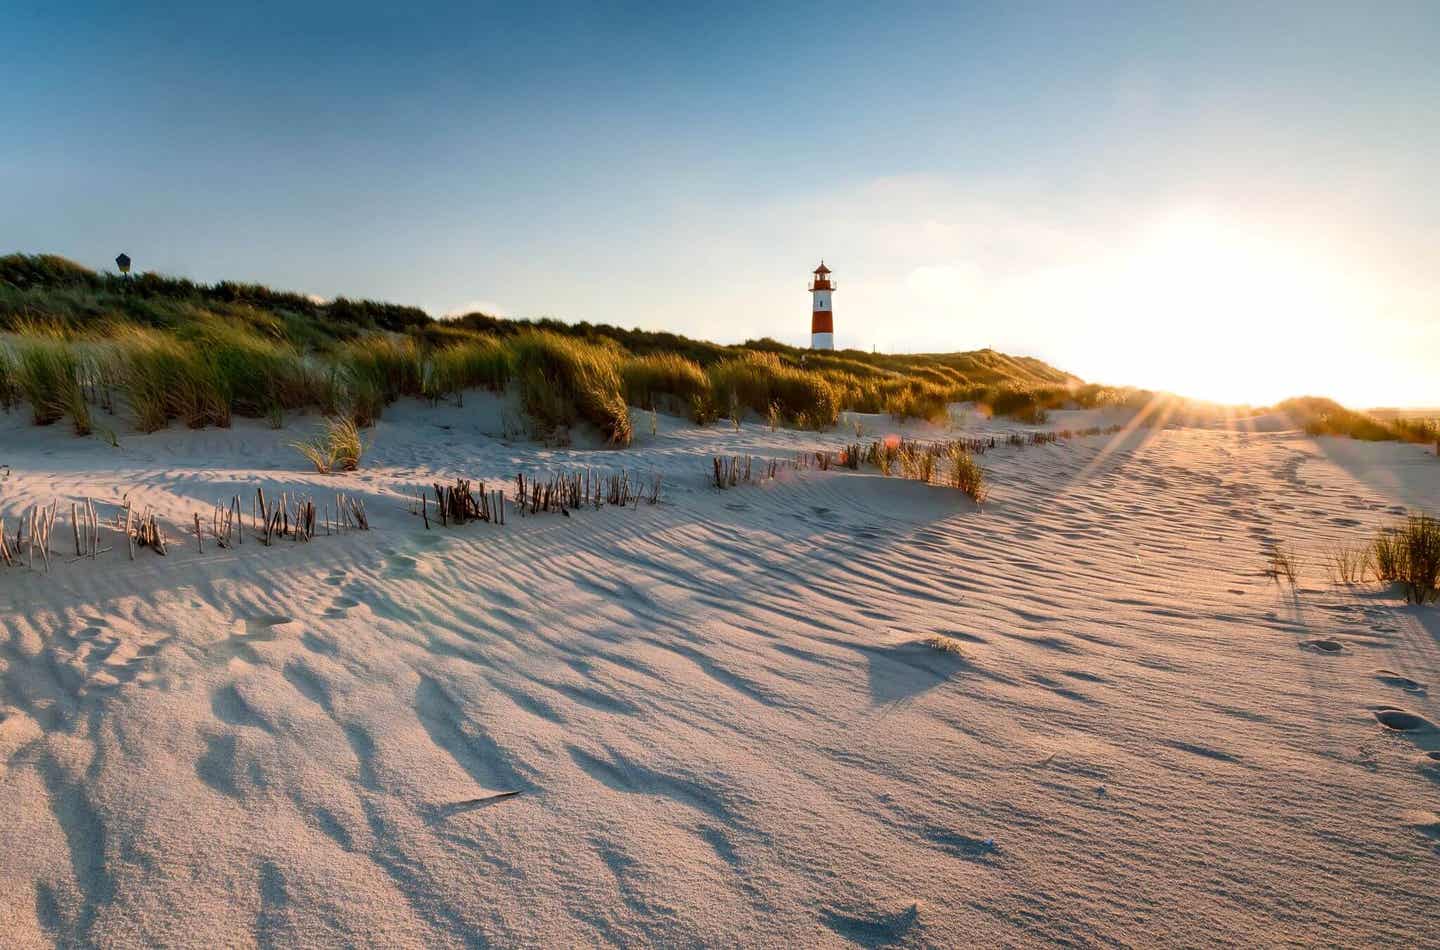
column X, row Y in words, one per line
column 170, row 349
column 1319, row 416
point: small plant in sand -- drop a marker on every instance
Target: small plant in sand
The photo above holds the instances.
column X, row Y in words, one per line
column 1349, row 563
column 1282, row 564
column 883, row 454
column 337, row 447
column 917, row 462
column 1387, row 555
column 946, row 644
column 773, row 416
column 967, row 474
column 1410, row 554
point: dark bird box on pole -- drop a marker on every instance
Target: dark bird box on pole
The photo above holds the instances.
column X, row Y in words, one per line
column 123, row 262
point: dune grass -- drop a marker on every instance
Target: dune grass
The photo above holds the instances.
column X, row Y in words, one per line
column 967, row 474
column 47, row 376
column 1318, row 416
column 338, row 446
column 1409, row 554
column 667, row 380
column 928, row 403
column 478, row 363
column 563, row 380
column 165, row 378
column 762, row 383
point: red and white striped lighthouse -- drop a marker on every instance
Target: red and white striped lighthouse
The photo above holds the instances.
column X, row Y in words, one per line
column 822, row 319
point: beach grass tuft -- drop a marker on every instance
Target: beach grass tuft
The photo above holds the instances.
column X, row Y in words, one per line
column 1409, row 554
column 563, row 380
column 338, row 446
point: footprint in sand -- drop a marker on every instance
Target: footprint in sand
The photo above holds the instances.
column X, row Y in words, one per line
column 340, row 606
column 257, row 629
column 318, row 645
column 1429, row 765
column 402, row 565
column 1391, row 678
column 262, row 627
column 1426, row 823
column 1323, row 646
column 873, row 929
column 1398, row 720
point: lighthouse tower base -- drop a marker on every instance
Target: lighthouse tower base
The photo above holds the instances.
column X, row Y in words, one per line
column 822, row 341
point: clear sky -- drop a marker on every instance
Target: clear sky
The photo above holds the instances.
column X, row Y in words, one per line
column 1232, row 201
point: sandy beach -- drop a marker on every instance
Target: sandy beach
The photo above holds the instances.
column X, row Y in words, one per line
column 720, row 713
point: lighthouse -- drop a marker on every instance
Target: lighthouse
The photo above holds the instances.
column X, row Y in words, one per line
column 822, row 320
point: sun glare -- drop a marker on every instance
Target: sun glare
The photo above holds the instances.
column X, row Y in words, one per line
column 1213, row 311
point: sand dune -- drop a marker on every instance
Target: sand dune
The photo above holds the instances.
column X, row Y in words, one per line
column 720, row 713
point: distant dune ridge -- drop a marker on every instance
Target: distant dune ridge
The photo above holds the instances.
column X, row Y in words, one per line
column 164, row 349
column 157, row 349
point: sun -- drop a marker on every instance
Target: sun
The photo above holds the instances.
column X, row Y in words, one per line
column 1214, row 310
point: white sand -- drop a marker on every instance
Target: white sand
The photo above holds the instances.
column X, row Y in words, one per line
column 720, row 713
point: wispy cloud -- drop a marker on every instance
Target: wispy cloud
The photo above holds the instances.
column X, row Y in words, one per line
column 487, row 307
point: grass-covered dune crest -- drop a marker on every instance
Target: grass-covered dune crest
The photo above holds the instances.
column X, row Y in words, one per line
column 156, row 350
column 169, row 349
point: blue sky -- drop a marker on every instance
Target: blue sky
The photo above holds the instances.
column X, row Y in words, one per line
column 1212, row 198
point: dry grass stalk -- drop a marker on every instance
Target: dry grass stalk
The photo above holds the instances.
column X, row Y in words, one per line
column 1349, row 563
column 1282, row 564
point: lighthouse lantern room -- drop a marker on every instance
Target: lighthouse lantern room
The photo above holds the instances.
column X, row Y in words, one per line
column 822, row 318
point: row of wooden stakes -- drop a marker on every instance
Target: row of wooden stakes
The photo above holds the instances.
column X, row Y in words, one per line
column 565, row 492
column 296, row 518
column 34, row 531
column 458, row 503
column 741, row 469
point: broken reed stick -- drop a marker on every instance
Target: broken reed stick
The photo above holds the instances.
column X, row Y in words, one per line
column 94, row 522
